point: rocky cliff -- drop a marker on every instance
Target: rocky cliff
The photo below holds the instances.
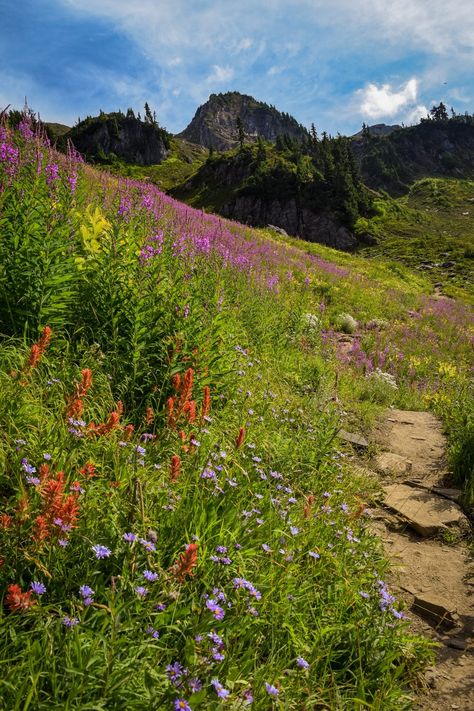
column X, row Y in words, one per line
column 215, row 122
column 128, row 138
column 294, row 218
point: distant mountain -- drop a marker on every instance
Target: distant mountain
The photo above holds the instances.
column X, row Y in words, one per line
column 433, row 148
column 120, row 135
column 215, row 122
column 378, row 129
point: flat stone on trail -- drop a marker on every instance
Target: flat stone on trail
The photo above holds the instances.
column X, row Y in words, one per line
column 424, row 512
column 435, row 608
column 391, row 463
column 354, row 439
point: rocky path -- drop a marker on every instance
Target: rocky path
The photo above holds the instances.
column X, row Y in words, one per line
column 425, row 535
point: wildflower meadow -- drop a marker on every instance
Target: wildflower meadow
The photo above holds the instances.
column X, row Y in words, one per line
column 179, row 526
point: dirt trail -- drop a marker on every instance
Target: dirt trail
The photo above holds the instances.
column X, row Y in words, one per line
column 424, row 533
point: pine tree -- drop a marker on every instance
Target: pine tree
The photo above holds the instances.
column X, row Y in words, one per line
column 148, row 114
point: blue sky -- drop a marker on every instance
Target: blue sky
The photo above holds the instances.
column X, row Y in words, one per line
column 335, row 63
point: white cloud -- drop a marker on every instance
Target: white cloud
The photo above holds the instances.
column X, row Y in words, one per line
column 220, row 74
column 319, row 43
column 244, row 44
column 415, row 114
column 380, row 102
column 274, row 70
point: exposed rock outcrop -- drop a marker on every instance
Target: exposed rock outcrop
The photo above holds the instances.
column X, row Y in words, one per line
column 215, row 122
column 298, row 221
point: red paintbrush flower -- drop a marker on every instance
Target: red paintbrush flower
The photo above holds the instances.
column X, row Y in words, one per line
column 18, row 601
column 186, row 562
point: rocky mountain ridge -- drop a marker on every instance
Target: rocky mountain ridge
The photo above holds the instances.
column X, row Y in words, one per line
column 215, row 122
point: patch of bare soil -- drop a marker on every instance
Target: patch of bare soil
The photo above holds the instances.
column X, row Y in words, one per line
column 435, row 578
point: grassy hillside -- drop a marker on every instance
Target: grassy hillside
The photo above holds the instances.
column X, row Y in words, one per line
column 430, row 229
column 179, row 525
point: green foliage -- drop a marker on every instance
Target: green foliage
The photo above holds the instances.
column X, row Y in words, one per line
column 149, row 296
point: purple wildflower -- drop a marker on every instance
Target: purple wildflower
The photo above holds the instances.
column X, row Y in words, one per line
column 221, row 692
column 129, row 537
column 141, row 591
column 70, row 621
column 85, row 591
column 101, row 551
column 272, row 690
column 302, row 663
column 38, row 588
column 195, row 685
column 150, row 576
column 216, row 610
column 182, row 705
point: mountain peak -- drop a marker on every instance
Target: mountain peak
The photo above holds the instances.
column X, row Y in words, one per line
column 215, row 122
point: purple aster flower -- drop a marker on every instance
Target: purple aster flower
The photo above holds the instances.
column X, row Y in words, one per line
column 182, row 705
column 314, row 555
column 47, row 456
column 218, row 641
column 141, row 591
column 221, row 692
column 272, row 690
column 195, row 685
column 248, row 697
column 294, row 530
column 86, row 591
column 302, row 663
column 266, row 548
column 101, row 551
column 216, row 610
column 38, row 588
column 70, row 621
column 129, row 537
column 150, row 576
column 154, row 633
column 221, row 549
column 63, row 542
column 160, row 607
column 33, row 480
column 87, row 601
column 174, row 672
column 217, row 656
column 363, row 594
column 148, row 545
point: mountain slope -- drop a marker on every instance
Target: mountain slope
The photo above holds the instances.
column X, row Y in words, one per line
column 317, row 197
column 430, row 149
column 215, row 122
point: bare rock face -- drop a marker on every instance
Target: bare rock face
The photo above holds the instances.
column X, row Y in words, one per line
column 215, row 122
column 301, row 222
